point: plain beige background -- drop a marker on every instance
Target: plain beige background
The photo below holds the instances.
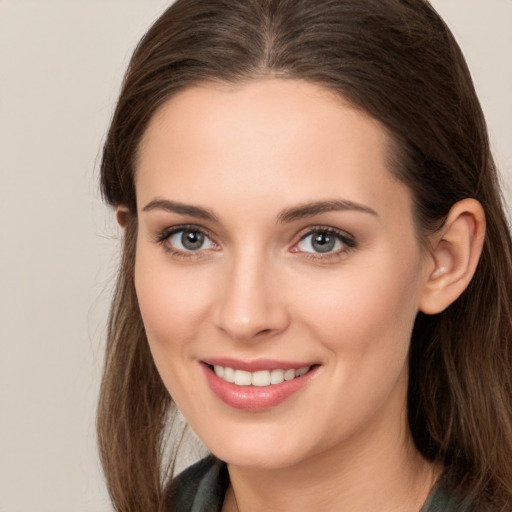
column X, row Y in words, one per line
column 61, row 63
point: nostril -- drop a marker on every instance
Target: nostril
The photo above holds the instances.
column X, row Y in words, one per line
column 263, row 332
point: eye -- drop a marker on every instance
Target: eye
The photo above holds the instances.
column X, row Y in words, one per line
column 324, row 241
column 186, row 240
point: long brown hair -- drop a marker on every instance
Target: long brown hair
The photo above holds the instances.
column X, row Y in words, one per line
column 396, row 60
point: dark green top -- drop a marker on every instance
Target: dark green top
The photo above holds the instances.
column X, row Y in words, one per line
column 201, row 488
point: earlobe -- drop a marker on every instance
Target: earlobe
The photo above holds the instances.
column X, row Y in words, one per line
column 122, row 215
column 456, row 249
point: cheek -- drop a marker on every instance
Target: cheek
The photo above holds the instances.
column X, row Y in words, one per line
column 171, row 301
column 172, row 306
column 367, row 311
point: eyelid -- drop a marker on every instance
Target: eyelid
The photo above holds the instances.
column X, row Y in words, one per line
column 321, row 228
column 162, row 236
column 347, row 239
column 165, row 233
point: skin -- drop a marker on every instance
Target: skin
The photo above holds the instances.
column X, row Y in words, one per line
column 257, row 289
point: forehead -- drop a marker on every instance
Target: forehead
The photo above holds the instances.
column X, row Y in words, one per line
column 273, row 109
column 266, row 140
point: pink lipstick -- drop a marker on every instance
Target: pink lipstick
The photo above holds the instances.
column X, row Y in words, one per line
column 256, row 385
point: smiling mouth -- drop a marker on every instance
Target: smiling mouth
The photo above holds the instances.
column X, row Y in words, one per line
column 259, row 389
column 258, row 378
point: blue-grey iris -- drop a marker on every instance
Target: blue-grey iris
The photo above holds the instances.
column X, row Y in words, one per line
column 192, row 240
column 323, row 242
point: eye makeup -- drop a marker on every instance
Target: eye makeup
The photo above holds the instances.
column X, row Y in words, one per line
column 194, row 240
column 324, row 243
column 319, row 243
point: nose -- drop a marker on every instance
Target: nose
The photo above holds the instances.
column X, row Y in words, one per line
column 250, row 305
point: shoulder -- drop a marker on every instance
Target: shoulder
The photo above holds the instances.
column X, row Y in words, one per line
column 199, row 488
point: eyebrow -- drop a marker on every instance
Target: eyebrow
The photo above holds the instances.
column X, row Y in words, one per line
column 183, row 209
column 288, row 215
column 315, row 208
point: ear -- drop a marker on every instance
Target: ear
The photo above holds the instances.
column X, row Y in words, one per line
column 456, row 249
column 122, row 215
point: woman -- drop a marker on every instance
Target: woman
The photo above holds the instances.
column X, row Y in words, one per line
column 316, row 269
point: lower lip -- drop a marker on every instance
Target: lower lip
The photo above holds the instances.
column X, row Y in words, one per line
column 255, row 398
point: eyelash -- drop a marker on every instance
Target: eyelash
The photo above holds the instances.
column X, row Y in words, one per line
column 347, row 241
column 163, row 237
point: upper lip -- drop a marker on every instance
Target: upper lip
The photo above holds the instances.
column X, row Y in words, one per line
column 256, row 364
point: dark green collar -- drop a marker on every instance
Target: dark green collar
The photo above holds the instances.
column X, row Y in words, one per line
column 202, row 487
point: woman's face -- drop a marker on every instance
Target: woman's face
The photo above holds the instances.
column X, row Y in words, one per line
column 273, row 240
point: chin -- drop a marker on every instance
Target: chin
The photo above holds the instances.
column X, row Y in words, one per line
column 258, row 451
column 262, row 460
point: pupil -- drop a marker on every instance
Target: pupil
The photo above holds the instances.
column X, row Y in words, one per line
column 192, row 240
column 323, row 242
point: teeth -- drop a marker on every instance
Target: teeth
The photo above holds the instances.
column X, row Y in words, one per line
column 289, row 374
column 276, row 376
column 301, row 372
column 242, row 378
column 260, row 378
column 229, row 375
